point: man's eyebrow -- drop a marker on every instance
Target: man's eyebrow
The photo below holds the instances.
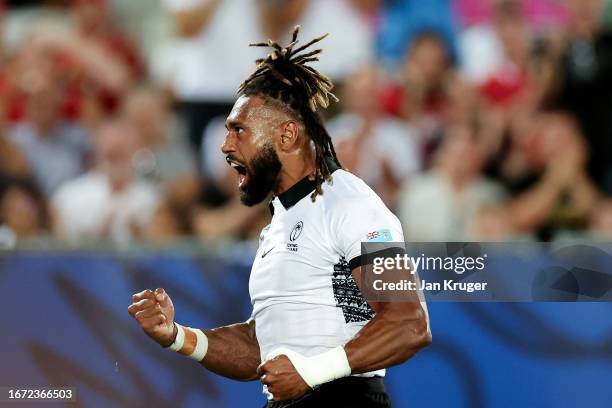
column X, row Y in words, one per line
column 230, row 123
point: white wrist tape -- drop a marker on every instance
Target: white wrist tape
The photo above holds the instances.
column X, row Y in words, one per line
column 201, row 346
column 177, row 345
column 319, row 369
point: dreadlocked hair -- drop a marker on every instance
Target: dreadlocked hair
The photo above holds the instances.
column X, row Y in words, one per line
column 284, row 77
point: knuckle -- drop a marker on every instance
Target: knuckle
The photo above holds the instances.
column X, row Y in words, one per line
column 145, row 303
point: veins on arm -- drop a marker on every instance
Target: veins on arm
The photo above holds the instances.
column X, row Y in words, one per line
column 233, row 351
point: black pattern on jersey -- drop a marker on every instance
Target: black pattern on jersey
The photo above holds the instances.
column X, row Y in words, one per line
column 348, row 296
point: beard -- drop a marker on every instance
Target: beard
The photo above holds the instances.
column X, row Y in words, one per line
column 263, row 173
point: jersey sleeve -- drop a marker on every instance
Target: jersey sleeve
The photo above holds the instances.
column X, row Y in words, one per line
column 369, row 221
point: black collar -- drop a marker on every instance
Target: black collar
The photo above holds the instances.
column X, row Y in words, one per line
column 301, row 189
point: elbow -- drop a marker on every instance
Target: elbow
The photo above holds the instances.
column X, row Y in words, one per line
column 415, row 337
column 420, row 336
column 426, row 340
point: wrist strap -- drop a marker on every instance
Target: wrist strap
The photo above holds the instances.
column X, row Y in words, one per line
column 200, row 347
column 319, row 369
column 179, row 340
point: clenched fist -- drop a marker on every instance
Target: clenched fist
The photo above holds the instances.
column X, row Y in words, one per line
column 155, row 315
column 281, row 378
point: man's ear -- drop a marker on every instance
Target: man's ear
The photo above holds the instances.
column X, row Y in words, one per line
column 290, row 132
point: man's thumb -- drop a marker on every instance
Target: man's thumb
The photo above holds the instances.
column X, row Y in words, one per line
column 161, row 296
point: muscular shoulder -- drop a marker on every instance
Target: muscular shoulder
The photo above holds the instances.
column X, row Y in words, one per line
column 346, row 187
column 349, row 197
column 355, row 214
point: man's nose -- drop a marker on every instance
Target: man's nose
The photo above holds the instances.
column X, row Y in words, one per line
column 228, row 145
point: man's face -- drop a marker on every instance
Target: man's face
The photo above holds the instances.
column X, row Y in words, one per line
column 249, row 148
column 115, row 145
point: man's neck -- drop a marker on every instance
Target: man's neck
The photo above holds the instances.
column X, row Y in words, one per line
column 293, row 172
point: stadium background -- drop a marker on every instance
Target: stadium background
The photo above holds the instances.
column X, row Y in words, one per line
column 479, row 120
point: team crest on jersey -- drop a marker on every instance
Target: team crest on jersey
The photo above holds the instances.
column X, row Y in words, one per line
column 296, row 231
column 381, row 235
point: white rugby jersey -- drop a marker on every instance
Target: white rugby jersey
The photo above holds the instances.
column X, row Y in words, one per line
column 302, row 290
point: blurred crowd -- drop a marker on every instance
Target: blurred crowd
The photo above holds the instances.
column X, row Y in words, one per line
column 481, row 120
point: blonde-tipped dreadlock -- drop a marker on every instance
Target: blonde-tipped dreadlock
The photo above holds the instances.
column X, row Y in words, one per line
column 290, row 67
column 284, row 76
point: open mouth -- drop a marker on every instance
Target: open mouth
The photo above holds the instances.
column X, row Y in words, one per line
column 240, row 169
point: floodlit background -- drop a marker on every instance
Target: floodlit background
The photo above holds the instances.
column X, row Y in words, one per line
column 474, row 120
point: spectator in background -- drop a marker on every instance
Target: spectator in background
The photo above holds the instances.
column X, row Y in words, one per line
column 203, row 75
column 420, row 97
column 163, row 157
column 547, row 173
column 507, row 78
column 103, row 62
column 489, row 25
column 94, row 25
column 481, row 47
column 109, row 202
column 441, row 204
column 57, row 149
column 382, row 150
column 88, row 61
column 585, row 74
column 402, row 21
column 24, row 213
column 351, row 38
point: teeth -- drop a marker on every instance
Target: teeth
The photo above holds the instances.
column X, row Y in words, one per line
column 234, row 164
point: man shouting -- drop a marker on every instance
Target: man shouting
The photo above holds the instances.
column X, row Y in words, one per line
column 312, row 339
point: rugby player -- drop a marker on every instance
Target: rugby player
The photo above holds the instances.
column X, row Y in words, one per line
column 312, row 338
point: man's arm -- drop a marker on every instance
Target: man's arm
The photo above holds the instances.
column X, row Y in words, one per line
column 396, row 333
column 231, row 351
